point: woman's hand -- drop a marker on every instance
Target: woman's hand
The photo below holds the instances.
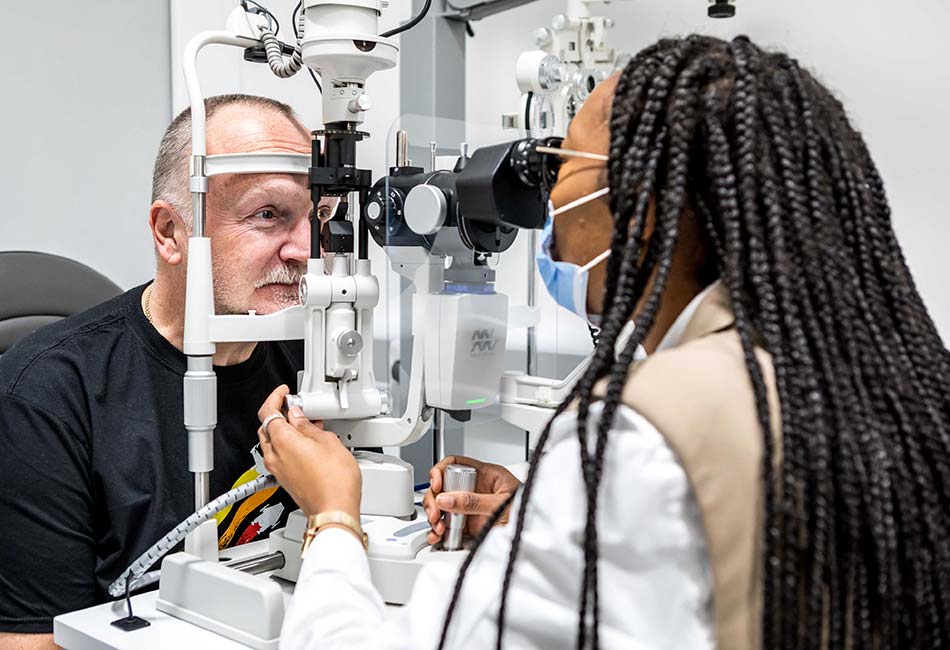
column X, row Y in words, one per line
column 309, row 462
column 493, row 484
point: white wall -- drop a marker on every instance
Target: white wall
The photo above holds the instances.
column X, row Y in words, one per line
column 86, row 97
column 887, row 61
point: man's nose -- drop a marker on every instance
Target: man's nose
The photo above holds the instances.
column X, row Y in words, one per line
column 297, row 246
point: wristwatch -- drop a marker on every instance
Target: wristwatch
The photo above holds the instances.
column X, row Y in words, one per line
column 315, row 522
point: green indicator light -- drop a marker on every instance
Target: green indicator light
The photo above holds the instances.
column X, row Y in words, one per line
column 480, row 400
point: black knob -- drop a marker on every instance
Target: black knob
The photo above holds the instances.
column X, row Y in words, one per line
column 384, row 209
column 722, row 9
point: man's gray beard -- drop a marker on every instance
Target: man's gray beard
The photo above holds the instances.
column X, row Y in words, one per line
column 285, row 274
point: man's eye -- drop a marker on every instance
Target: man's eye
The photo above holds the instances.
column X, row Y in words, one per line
column 266, row 214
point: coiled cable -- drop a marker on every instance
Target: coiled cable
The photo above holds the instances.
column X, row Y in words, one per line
column 275, row 56
column 135, row 575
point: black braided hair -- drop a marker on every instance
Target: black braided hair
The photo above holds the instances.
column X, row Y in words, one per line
column 856, row 539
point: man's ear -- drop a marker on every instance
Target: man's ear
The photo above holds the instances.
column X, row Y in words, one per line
column 169, row 232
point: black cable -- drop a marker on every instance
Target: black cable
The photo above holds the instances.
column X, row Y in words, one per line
column 294, row 18
column 128, row 595
column 594, row 334
column 468, row 29
column 412, row 23
column 261, row 9
column 315, row 80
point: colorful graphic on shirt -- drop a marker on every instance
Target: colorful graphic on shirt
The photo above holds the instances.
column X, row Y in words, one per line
column 254, row 517
column 267, row 520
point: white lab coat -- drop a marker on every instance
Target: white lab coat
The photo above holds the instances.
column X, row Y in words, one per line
column 655, row 577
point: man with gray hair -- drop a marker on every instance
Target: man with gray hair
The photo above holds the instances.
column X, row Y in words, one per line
column 92, row 447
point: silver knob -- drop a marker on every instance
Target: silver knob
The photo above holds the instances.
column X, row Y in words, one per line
column 542, row 37
column 456, row 478
column 425, row 209
column 561, row 22
column 402, row 149
column 293, row 400
column 350, row 343
column 373, row 210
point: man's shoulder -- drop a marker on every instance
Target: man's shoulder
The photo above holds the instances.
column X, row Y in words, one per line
column 64, row 347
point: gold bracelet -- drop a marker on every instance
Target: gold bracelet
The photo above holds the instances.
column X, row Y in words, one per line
column 315, row 522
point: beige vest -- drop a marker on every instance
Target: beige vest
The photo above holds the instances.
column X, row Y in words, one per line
column 699, row 396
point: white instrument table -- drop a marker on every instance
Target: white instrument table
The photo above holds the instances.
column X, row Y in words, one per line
column 92, row 629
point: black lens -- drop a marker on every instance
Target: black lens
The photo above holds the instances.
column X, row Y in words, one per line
column 536, row 169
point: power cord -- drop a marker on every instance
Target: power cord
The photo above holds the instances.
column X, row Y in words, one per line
column 412, row 23
column 129, row 623
column 261, row 10
column 297, row 34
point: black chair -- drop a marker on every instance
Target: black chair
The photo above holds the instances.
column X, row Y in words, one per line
column 37, row 289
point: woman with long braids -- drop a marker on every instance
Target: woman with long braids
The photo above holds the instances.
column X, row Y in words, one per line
column 775, row 475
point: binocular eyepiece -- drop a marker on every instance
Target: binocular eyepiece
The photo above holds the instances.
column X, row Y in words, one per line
column 508, row 184
column 487, row 196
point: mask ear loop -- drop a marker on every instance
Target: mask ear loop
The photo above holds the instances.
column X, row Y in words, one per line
column 597, row 260
column 581, row 201
column 557, row 151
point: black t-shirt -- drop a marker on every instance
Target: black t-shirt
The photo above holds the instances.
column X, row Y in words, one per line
column 94, row 455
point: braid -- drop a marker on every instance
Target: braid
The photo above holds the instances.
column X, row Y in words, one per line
column 856, row 498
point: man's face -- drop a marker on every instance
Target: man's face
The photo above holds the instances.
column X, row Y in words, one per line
column 259, row 224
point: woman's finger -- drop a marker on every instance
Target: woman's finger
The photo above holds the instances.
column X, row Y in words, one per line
column 432, row 511
column 274, row 402
column 285, row 438
column 296, row 414
column 312, row 429
column 469, row 503
column 267, row 453
column 262, row 438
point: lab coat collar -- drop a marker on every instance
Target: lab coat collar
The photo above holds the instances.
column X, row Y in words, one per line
column 708, row 312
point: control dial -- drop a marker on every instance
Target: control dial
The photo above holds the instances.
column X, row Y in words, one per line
column 384, row 211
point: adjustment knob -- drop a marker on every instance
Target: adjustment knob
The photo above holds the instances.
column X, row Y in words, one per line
column 426, row 209
column 350, row 343
column 384, row 210
column 374, row 211
column 456, row 478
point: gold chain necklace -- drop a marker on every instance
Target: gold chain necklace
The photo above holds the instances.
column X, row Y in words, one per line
column 148, row 298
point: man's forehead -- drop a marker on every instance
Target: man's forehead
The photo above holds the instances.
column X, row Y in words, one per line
column 237, row 128
column 232, row 188
column 263, row 180
column 235, row 187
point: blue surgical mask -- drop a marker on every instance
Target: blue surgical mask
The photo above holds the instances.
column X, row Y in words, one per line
column 567, row 282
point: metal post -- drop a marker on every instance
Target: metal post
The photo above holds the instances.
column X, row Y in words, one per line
column 532, row 342
column 202, row 489
column 438, row 436
column 199, row 190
